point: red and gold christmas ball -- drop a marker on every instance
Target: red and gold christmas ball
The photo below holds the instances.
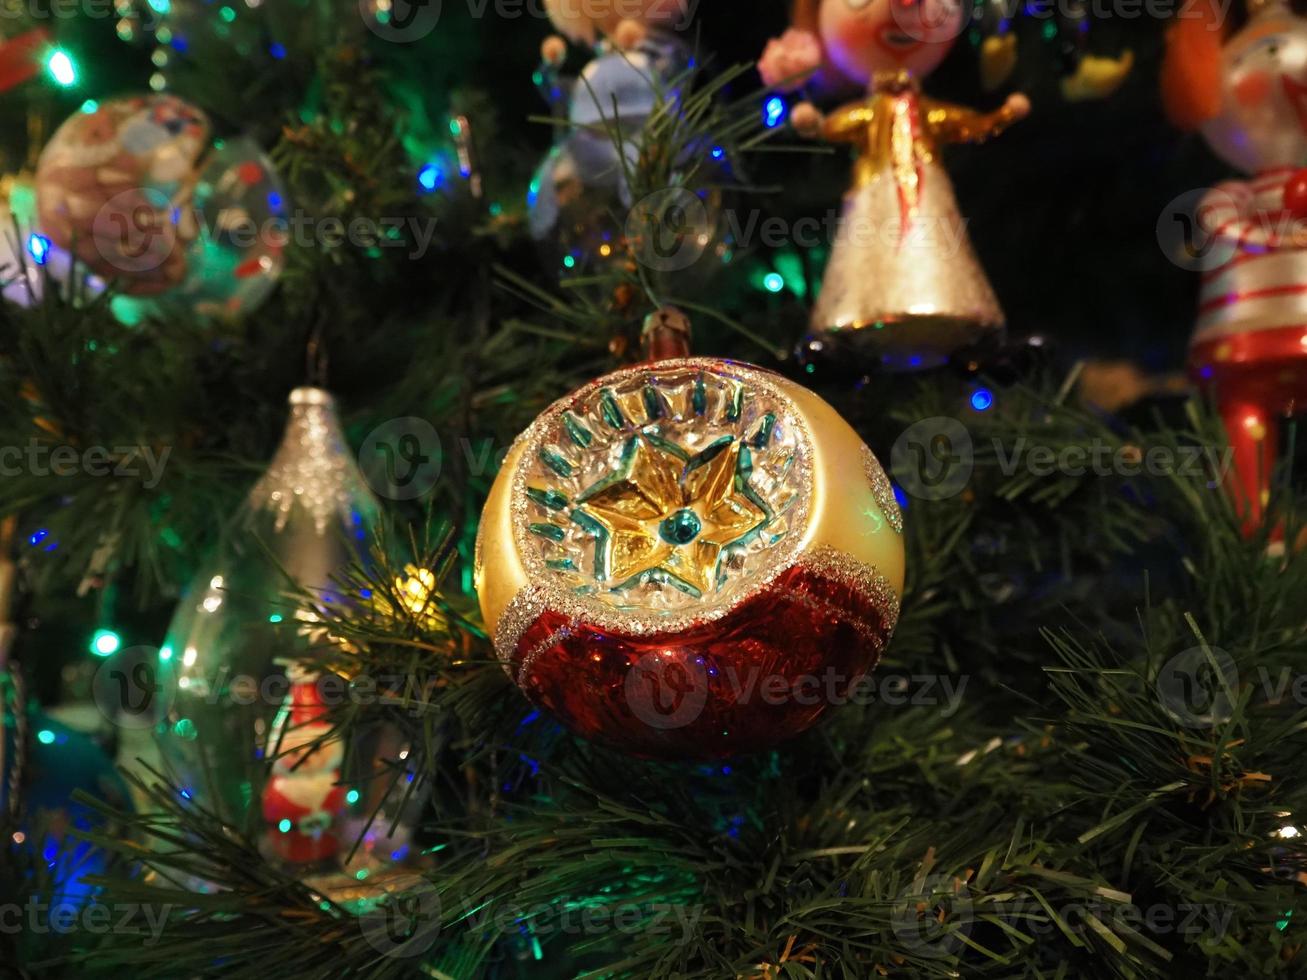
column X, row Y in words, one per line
column 689, row 559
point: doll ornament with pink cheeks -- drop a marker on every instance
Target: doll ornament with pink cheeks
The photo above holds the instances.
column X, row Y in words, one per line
column 1247, row 93
column 903, row 288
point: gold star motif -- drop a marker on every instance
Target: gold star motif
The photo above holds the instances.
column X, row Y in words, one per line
column 654, row 482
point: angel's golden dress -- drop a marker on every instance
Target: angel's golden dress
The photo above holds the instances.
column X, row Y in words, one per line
column 903, row 281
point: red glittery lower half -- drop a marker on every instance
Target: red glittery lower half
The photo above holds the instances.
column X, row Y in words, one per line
column 763, row 673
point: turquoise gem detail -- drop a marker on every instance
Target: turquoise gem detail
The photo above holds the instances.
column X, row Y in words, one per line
column 578, row 433
column 551, row 499
column 653, row 406
column 551, row 531
column 556, row 463
column 681, row 528
column 609, row 409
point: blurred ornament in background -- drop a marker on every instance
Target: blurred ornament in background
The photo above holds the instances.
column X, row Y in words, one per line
column 673, row 530
column 1249, row 347
column 305, row 520
column 136, row 191
column 234, row 263
column 1085, row 76
column 580, row 195
column 580, row 203
column 22, row 56
column 114, row 187
column 1113, row 386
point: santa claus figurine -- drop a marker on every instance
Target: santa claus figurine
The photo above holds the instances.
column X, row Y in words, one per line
column 303, row 801
column 1247, row 93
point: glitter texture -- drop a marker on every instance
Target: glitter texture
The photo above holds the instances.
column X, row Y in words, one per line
column 882, row 489
column 313, row 468
column 765, row 672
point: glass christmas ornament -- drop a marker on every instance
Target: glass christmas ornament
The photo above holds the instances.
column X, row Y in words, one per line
column 674, row 539
column 137, row 192
column 903, row 288
column 237, row 257
column 1249, row 348
column 244, row 734
column 579, row 196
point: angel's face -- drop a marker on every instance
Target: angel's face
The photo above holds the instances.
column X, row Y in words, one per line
column 864, row 37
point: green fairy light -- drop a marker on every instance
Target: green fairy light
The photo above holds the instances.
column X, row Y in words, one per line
column 105, row 643
column 61, row 68
column 45, row 736
column 227, row 14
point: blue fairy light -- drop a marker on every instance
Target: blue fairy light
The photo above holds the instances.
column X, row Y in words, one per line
column 430, row 177
column 774, row 112
column 982, row 399
column 38, row 247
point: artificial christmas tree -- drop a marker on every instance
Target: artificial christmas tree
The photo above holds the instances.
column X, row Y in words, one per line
column 1080, row 754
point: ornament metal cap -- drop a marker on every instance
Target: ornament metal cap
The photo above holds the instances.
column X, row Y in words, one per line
column 665, row 335
column 311, row 396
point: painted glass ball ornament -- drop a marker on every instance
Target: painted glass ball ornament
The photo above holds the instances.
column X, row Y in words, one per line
column 689, row 559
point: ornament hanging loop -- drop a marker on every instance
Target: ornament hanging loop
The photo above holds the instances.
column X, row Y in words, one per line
column 665, row 335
